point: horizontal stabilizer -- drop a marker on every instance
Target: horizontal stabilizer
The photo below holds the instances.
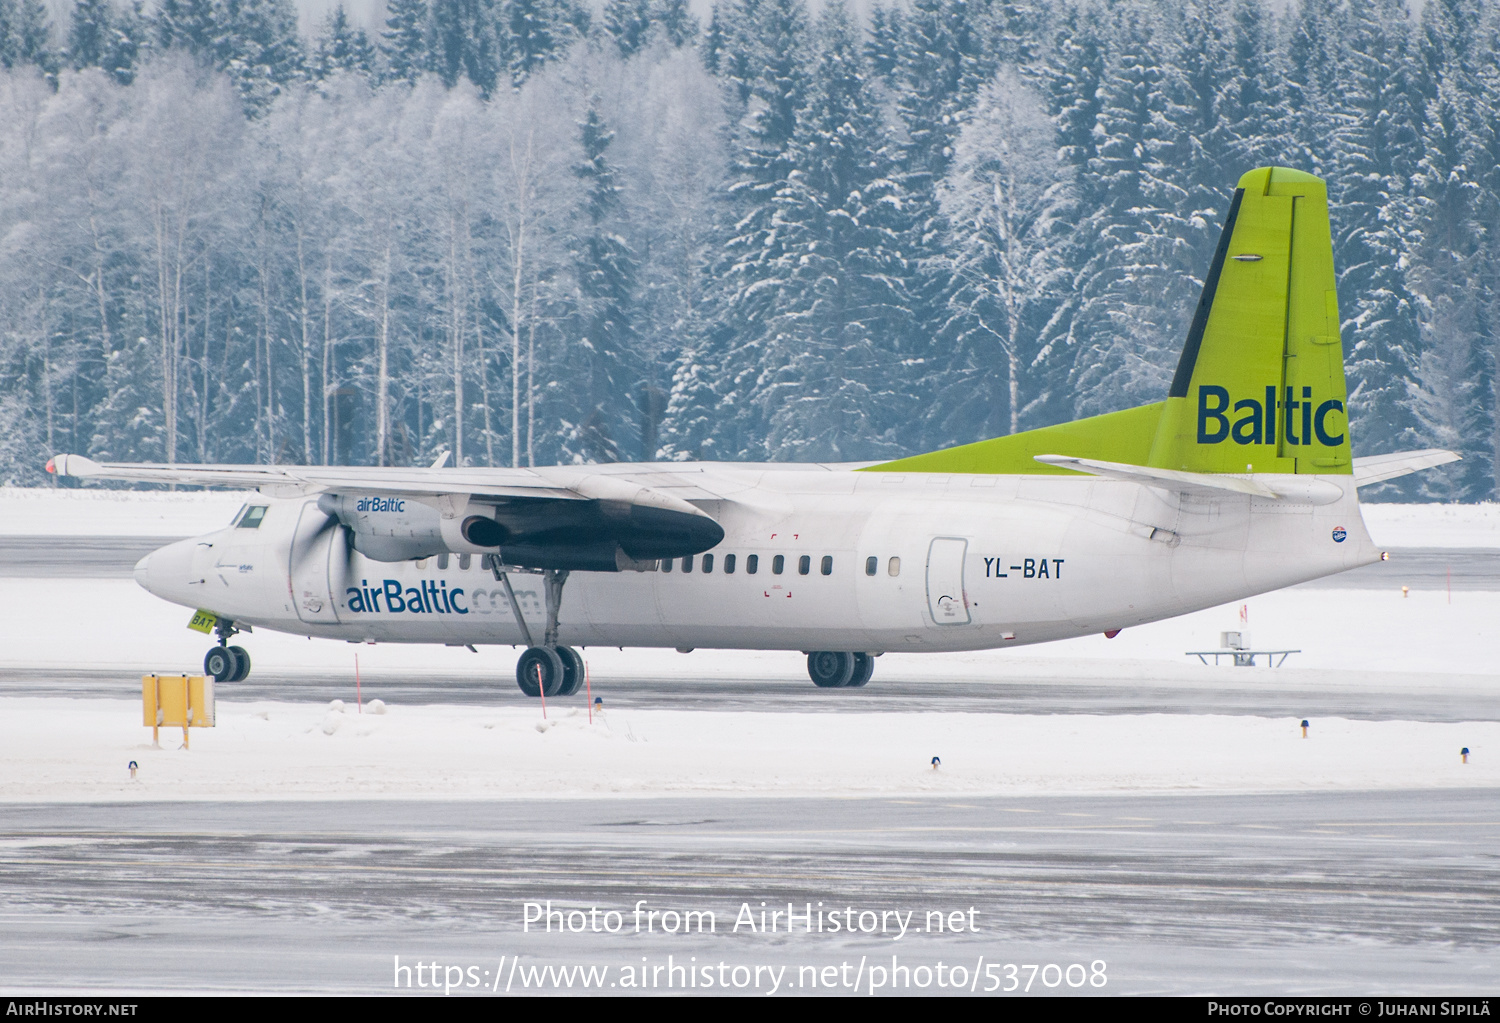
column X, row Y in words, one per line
column 1177, row 480
column 1295, row 491
column 1379, row 468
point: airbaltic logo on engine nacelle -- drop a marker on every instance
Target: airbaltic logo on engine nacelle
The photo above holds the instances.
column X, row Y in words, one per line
column 1255, row 421
column 380, row 504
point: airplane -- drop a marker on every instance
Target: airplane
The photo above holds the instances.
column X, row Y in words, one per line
column 1239, row 482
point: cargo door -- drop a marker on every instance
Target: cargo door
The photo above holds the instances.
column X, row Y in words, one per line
column 945, row 581
column 316, row 543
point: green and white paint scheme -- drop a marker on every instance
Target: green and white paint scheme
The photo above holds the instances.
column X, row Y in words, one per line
column 1239, row 482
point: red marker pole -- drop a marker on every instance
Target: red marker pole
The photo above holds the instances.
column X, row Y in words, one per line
column 358, row 703
column 542, row 691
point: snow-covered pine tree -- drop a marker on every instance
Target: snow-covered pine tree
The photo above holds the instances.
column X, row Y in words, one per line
column 942, row 61
column 1311, row 62
column 833, row 388
column 882, row 46
column 1124, row 334
column 539, row 31
column 186, row 25
column 627, row 22
column 675, row 20
column 469, row 41
column 603, row 387
column 90, row 33
column 404, row 40
column 1070, row 73
column 767, row 41
column 1370, row 191
column 713, row 40
column 256, row 44
column 1252, row 103
column 1001, row 201
column 1454, row 372
column 341, row 47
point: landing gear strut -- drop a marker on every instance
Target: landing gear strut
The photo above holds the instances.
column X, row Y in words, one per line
column 545, row 669
column 227, row 663
column 833, row 670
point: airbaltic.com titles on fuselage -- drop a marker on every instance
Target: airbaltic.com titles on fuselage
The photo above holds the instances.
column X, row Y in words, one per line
column 1301, row 417
column 392, row 596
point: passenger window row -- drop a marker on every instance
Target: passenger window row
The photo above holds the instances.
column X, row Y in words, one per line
column 778, row 564
column 752, row 564
column 705, row 564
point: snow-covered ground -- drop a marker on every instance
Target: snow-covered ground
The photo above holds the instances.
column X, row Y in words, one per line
column 48, row 511
column 61, row 750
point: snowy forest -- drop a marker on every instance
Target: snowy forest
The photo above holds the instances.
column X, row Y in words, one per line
column 537, row 231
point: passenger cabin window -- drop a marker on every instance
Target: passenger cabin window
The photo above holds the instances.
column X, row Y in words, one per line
column 708, row 563
column 752, row 563
column 666, row 564
column 729, row 564
column 463, row 562
column 872, row 565
column 777, row 564
column 442, row 562
column 804, row 565
column 827, row 567
column 687, row 563
column 894, row 567
column 252, row 517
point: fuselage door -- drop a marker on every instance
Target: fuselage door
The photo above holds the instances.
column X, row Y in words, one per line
column 945, row 581
column 314, row 542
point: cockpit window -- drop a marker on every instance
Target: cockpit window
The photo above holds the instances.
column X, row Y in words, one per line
column 251, row 519
column 236, row 520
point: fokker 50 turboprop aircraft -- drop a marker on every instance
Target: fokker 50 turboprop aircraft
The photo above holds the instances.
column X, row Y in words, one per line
column 1240, row 482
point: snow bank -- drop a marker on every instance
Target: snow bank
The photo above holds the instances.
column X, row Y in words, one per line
column 67, row 750
column 1433, row 525
column 48, row 511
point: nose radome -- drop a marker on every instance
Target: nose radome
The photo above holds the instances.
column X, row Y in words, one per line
column 164, row 572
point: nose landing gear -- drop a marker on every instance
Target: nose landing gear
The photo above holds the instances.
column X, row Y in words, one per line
column 225, row 663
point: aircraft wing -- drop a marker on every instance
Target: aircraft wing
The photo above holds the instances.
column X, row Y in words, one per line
column 558, row 516
column 322, row 478
column 1379, row 468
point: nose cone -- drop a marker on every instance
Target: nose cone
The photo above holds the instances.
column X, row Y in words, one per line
column 166, row 572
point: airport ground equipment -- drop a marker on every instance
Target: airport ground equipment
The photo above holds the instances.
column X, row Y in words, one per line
column 176, row 701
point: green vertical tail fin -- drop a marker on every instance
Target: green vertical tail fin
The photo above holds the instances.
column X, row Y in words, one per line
column 1261, row 378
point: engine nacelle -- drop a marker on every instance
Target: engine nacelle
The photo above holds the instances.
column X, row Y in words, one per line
column 397, row 527
column 612, row 527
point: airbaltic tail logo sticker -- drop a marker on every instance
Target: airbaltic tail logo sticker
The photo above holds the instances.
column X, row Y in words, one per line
column 1302, row 419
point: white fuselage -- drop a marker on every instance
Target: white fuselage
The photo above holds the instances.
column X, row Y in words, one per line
column 961, row 562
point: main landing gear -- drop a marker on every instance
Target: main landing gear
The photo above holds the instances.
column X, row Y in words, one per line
column 226, row 663
column 546, row 669
column 831, row 670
